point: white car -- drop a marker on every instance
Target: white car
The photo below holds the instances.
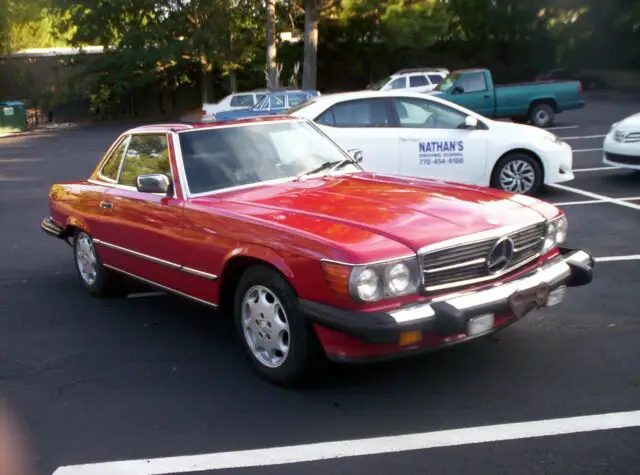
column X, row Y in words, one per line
column 413, row 80
column 419, row 135
column 622, row 144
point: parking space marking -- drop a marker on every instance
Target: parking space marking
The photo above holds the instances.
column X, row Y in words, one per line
column 633, row 257
column 596, row 169
column 562, row 127
column 582, row 150
column 584, row 137
column 596, row 196
column 359, row 447
column 593, row 202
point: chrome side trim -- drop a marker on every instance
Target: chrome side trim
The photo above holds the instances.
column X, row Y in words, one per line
column 371, row 263
column 477, row 237
column 160, row 286
column 156, row 260
column 199, row 273
column 461, row 283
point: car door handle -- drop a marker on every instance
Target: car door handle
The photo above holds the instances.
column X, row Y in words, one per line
column 487, row 96
column 106, row 205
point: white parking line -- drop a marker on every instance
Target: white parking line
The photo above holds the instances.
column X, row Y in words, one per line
column 592, row 202
column 562, row 127
column 582, row 150
column 633, row 257
column 596, row 169
column 584, row 137
column 596, row 196
column 354, row 448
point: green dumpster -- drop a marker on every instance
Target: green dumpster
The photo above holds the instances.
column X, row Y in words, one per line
column 13, row 117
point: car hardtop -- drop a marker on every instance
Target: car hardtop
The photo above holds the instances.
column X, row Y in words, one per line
column 165, row 128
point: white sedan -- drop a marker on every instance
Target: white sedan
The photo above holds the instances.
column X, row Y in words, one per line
column 622, row 144
column 419, row 135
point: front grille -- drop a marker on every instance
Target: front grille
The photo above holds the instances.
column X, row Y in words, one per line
column 466, row 264
column 625, row 159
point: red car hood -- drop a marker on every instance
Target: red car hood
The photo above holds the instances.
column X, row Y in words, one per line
column 411, row 211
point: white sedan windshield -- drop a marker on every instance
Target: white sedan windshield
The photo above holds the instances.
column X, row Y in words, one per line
column 225, row 157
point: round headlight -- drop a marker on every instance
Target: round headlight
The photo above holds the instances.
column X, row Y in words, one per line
column 561, row 229
column 550, row 239
column 367, row 284
column 398, row 278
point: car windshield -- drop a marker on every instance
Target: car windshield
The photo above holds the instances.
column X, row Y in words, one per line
column 245, row 154
column 448, row 82
column 376, row 86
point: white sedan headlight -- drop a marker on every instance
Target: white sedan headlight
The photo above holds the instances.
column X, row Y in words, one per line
column 556, row 233
column 384, row 280
column 552, row 138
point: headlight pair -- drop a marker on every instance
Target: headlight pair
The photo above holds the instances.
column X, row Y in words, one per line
column 556, row 233
column 373, row 282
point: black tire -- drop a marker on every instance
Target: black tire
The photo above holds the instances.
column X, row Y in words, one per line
column 510, row 159
column 106, row 282
column 305, row 352
column 542, row 115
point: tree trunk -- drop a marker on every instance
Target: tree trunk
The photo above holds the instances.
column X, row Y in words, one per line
column 204, row 77
column 310, row 67
column 233, row 81
column 272, row 77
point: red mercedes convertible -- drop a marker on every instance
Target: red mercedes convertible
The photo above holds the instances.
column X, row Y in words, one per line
column 279, row 228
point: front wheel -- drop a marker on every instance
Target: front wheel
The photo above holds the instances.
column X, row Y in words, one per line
column 517, row 173
column 278, row 340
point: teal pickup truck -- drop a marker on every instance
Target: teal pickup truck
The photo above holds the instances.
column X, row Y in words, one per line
column 535, row 102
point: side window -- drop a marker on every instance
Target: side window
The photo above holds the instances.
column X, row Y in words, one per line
column 147, row 153
column 326, row 118
column 259, row 97
column 418, row 80
column 242, row 100
column 297, row 98
column 398, row 83
column 473, row 82
column 420, row 113
column 361, row 113
column 112, row 165
column 435, row 78
column 276, row 101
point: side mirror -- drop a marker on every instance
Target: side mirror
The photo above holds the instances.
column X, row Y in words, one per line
column 153, row 183
column 356, row 153
column 470, row 122
column 457, row 90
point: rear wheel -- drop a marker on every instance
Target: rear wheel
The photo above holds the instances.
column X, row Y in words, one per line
column 278, row 340
column 96, row 278
column 517, row 173
column 542, row 115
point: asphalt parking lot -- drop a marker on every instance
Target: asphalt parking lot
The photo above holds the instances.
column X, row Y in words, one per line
column 153, row 381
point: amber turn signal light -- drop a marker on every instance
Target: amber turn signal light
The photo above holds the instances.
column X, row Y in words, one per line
column 337, row 277
column 409, row 338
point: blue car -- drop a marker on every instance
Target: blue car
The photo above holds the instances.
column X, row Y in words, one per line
column 272, row 104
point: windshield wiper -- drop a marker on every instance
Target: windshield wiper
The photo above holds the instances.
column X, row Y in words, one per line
column 324, row 166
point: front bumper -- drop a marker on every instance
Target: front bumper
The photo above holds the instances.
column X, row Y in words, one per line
column 558, row 164
column 621, row 154
column 541, row 287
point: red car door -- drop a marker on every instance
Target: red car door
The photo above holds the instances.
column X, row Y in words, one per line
column 141, row 232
